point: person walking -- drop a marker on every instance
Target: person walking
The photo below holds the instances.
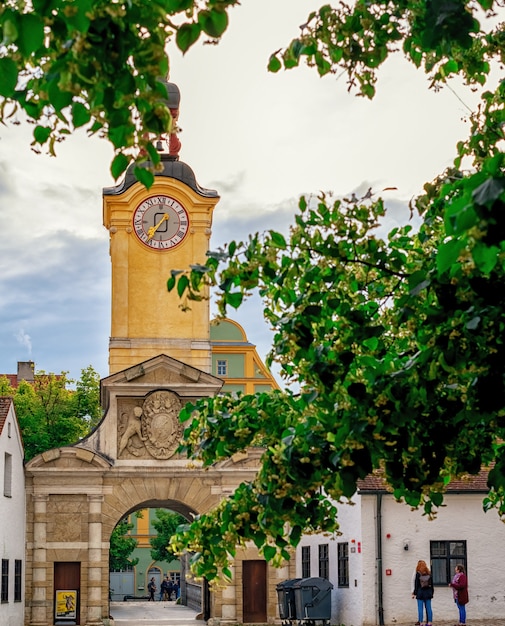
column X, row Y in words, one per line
column 422, row 590
column 459, row 586
column 151, row 587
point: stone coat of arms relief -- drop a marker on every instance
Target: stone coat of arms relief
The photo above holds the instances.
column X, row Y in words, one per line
column 151, row 430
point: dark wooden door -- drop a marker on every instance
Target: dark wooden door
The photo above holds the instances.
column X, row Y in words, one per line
column 67, row 576
column 254, row 588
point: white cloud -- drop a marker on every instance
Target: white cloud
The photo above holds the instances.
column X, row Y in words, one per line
column 260, row 140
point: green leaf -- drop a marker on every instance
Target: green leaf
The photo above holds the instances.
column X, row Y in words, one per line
column 10, row 29
column 41, row 134
column 448, row 254
column 8, row 77
column 187, row 35
column 177, row 6
column 213, row 22
column 182, row 284
column 171, row 283
column 80, row 114
column 485, row 257
column 144, row 176
column 58, row 98
column 234, row 299
column 278, row 239
column 119, row 165
column 31, row 33
column 269, row 552
column 274, row 65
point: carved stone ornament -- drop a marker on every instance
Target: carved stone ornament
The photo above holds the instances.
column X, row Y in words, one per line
column 161, row 428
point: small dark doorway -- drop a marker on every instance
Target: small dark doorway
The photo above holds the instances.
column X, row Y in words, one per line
column 254, row 588
column 67, row 590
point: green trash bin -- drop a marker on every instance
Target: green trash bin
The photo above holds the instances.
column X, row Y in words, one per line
column 286, row 600
column 313, row 600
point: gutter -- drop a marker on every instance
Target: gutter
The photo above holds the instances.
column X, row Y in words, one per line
column 378, row 530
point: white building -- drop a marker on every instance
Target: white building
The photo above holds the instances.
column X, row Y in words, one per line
column 13, row 516
column 371, row 562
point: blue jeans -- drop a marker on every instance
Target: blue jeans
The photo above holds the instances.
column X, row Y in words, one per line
column 462, row 612
column 429, row 614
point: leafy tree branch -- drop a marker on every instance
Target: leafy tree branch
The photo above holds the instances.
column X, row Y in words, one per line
column 395, row 340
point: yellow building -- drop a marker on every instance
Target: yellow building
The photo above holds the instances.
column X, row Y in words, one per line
column 235, row 360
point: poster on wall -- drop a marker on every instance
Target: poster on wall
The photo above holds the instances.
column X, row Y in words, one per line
column 66, row 604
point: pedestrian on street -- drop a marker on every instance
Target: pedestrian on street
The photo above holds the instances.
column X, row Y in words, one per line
column 459, row 586
column 422, row 590
column 151, row 587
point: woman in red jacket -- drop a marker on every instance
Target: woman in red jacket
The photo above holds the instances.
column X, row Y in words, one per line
column 459, row 585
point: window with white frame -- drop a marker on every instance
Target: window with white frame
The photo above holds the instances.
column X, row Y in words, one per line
column 222, row 367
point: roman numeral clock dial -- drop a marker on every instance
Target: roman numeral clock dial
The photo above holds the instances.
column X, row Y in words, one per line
column 160, row 222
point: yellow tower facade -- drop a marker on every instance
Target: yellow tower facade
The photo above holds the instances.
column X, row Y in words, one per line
column 153, row 231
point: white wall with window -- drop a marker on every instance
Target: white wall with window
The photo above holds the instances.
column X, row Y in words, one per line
column 337, row 557
column 395, row 538
column 12, row 507
column 372, row 561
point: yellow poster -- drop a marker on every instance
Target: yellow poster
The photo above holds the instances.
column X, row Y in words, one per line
column 66, row 604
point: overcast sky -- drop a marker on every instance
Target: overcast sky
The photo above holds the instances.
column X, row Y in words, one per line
column 261, row 140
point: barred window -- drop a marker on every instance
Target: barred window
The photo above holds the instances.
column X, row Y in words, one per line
column 343, row 564
column 305, row 561
column 5, row 580
column 324, row 562
column 18, row 580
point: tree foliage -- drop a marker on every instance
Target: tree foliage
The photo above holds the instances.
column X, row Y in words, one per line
column 50, row 414
column 165, row 523
column 96, row 64
column 121, row 546
column 394, row 338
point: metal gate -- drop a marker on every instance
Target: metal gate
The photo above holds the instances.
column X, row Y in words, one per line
column 121, row 584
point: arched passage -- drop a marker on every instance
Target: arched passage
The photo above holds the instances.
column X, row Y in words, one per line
column 76, row 495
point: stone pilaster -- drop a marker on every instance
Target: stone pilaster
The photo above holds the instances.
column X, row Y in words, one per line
column 40, row 602
column 95, row 569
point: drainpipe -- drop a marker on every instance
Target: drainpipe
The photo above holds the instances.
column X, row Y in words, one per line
column 378, row 529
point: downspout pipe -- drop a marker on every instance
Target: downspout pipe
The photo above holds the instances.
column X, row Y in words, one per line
column 380, row 599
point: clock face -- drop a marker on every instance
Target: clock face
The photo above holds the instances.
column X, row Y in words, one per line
column 160, row 222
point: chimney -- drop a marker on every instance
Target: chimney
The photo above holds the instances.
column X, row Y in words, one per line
column 26, row 371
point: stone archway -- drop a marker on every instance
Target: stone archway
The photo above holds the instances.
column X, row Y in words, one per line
column 76, row 495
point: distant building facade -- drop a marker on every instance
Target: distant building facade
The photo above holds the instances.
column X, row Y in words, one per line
column 13, row 516
column 236, row 361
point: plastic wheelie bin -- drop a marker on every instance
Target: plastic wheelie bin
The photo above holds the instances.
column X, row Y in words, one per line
column 313, row 600
column 286, row 600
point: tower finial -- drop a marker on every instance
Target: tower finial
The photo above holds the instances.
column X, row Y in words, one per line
column 172, row 102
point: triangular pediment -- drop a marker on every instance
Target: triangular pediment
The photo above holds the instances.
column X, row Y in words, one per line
column 141, row 409
column 160, row 372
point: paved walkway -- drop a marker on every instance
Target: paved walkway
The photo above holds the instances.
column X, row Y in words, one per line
column 143, row 613
column 469, row 622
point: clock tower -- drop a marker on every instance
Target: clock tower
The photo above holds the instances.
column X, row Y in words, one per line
column 153, row 231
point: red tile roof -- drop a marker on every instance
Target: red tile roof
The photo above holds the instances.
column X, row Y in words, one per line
column 5, row 405
column 478, row 483
column 12, row 378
